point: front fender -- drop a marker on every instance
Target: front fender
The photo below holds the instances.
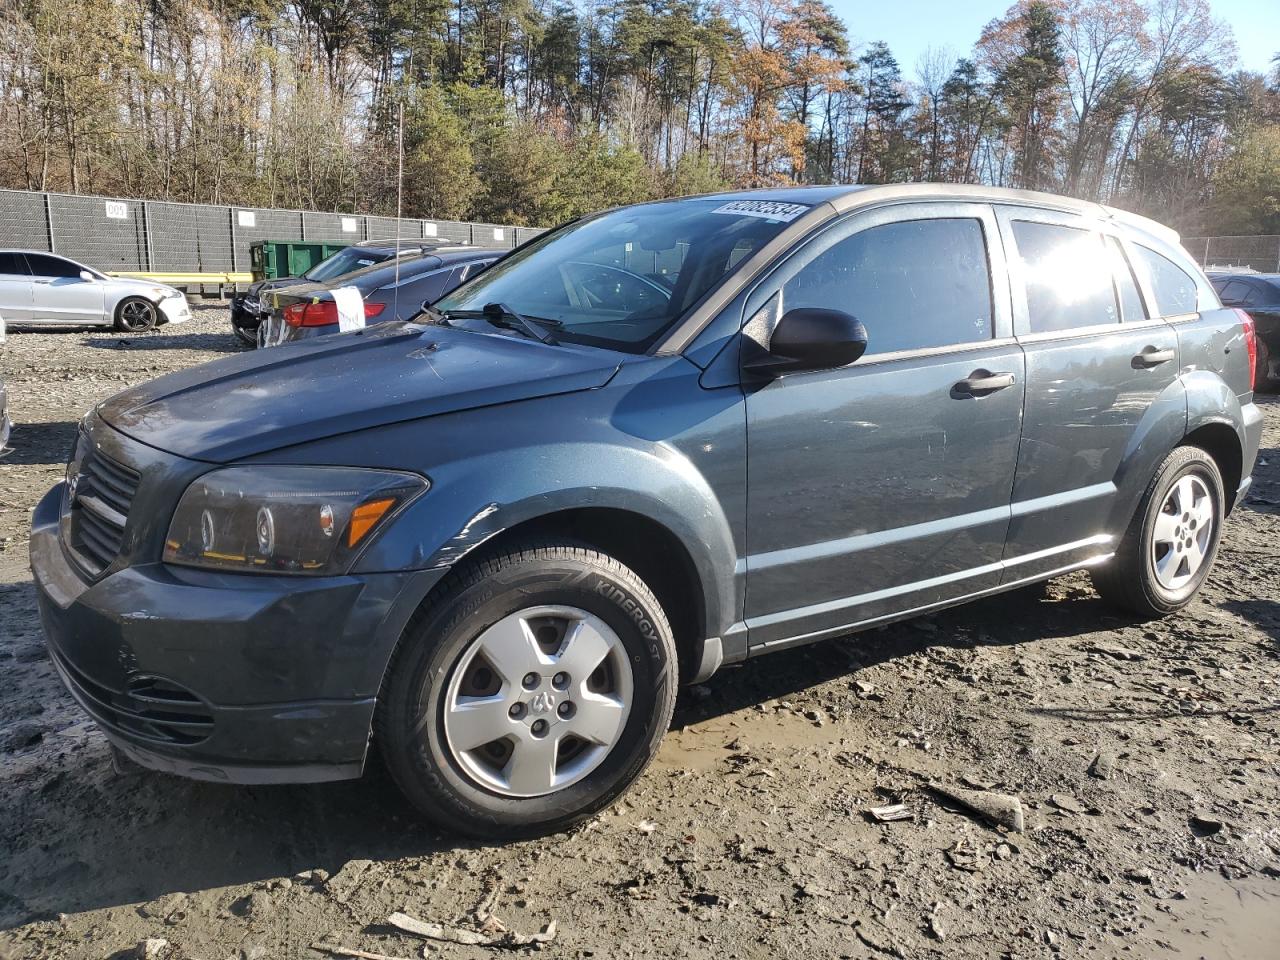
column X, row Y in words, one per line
column 474, row 500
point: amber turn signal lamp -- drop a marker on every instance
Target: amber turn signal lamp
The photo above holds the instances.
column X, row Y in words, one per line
column 364, row 517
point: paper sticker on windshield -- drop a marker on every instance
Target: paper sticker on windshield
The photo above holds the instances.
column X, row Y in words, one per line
column 765, row 209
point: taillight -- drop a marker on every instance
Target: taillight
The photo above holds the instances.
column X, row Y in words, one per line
column 319, row 314
column 322, row 313
column 1250, row 344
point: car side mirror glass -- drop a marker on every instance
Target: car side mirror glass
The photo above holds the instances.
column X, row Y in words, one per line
column 811, row 338
column 86, row 276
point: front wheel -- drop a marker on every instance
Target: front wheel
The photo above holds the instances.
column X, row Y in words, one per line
column 1171, row 543
column 136, row 315
column 530, row 691
column 246, row 335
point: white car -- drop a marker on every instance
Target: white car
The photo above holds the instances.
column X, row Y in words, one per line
column 38, row 287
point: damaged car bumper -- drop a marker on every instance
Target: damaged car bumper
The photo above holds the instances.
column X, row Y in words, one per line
column 222, row 677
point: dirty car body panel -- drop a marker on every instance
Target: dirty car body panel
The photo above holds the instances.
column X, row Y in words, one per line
column 801, row 505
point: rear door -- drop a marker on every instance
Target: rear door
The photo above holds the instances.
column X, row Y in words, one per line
column 883, row 486
column 15, row 287
column 1096, row 363
column 60, row 295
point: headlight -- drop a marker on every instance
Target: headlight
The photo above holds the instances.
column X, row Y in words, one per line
column 163, row 293
column 279, row 519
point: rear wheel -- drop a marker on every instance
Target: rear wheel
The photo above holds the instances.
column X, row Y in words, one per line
column 1169, row 548
column 1262, row 378
column 529, row 693
column 136, row 315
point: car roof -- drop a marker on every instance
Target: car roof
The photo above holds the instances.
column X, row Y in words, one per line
column 391, row 244
column 1251, row 275
column 851, row 196
column 376, row 274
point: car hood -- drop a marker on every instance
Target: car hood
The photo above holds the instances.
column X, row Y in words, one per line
column 126, row 286
column 253, row 403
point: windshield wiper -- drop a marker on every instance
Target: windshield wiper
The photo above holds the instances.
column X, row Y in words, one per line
column 501, row 315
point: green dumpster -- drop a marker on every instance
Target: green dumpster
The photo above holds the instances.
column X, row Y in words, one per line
column 270, row 259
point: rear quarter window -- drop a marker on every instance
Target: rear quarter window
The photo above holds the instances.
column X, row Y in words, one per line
column 1174, row 289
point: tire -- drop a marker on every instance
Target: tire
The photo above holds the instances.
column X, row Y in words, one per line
column 136, row 315
column 246, row 335
column 491, row 777
column 1262, row 379
column 1164, row 557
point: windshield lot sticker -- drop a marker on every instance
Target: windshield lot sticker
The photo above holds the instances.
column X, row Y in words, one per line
column 765, row 209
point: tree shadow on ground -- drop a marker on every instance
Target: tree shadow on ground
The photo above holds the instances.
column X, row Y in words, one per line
column 162, row 339
column 34, row 444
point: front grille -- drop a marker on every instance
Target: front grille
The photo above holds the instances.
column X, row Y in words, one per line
column 103, row 493
column 150, row 709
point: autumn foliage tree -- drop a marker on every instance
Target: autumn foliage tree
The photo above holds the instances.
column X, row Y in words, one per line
column 531, row 111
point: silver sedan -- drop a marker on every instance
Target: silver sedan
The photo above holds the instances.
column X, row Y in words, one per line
column 38, row 287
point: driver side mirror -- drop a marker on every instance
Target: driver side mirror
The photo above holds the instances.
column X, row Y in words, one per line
column 87, row 277
column 811, row 338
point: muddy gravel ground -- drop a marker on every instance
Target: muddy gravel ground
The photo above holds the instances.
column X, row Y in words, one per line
column 1144, row 755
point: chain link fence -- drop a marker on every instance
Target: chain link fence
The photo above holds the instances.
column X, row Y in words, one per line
column 156, row 236
column 1259, row 253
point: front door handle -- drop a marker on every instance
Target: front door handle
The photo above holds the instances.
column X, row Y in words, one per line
column 982, row 382
column 1152, row 357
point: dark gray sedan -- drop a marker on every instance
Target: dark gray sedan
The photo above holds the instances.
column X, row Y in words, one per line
column 394, row 289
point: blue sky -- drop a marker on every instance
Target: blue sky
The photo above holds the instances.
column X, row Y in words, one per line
column 912, row 26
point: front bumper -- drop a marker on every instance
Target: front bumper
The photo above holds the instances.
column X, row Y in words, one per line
column 235, row 678
column 175, row 309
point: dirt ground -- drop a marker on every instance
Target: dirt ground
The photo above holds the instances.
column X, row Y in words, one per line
column 1145, row 757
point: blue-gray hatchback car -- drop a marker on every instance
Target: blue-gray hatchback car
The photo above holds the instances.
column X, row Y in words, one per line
column 648, row 443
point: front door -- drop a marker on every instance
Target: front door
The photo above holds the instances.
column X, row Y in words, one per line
column 15, row 288
column 883, row 487
column 60, row 294
column 1096, row 363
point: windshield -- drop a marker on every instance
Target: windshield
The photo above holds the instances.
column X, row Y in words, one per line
column 345, row 261
column 621, row 280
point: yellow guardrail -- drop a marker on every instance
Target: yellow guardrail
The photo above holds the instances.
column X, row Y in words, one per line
column 188, row 279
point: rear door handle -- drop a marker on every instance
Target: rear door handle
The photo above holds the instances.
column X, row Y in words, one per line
column 984, row 382
column 1152, row 357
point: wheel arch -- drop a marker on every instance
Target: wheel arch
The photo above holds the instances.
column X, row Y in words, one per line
column 1219, row 440
column 657, row 555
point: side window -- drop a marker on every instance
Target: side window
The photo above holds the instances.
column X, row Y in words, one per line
column 1174, row 289
column 14, row 265
column 1066, row 275
column 1234, row 292
column 1126, row 284
column 429, row 287
column 915, row 284
column 46, row 266
column 1254, row 295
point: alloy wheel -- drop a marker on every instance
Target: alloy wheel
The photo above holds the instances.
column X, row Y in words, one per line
column 137, row 315
column 1182, row 534
column 537, row 701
